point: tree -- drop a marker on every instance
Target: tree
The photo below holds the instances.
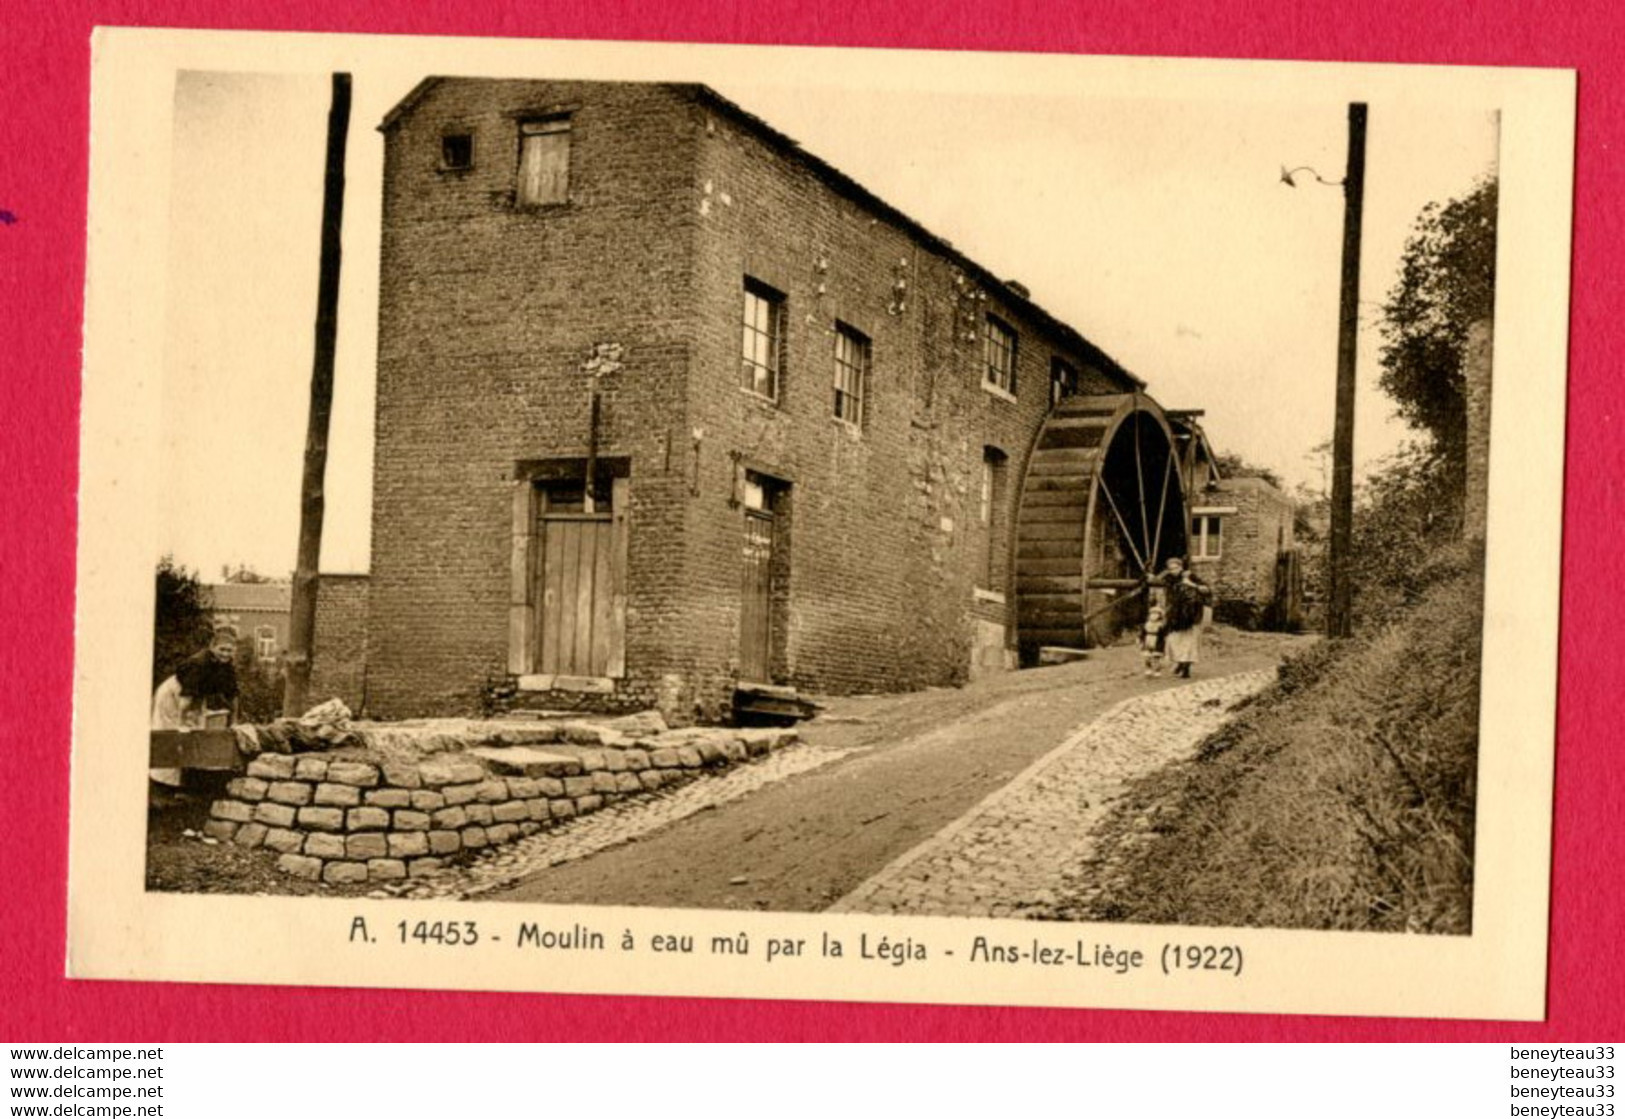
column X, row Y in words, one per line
column 182, row 623
column 242, row 573
column 1446, row 283
column 1232, row 465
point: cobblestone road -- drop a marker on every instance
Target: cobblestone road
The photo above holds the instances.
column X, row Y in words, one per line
column 1006, row 856
column 619, row 823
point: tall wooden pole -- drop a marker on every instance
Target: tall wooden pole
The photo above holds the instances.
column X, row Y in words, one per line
column 1339, row 611
column 312, row 498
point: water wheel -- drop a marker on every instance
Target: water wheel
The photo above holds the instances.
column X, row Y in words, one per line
column 1102, row 506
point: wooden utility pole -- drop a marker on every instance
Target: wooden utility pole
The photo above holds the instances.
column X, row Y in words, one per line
column 312, row 498
column 1339, row 611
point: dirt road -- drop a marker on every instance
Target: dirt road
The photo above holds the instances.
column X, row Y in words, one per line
column 918, row 762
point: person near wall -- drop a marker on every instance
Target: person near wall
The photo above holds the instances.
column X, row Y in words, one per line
column 1186, row 600
column 203, row 683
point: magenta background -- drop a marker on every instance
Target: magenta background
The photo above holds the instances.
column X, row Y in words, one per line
column 44, row 86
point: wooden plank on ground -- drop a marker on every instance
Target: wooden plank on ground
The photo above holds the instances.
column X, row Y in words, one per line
column 196, row 749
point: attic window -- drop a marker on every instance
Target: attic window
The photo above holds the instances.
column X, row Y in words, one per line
column 456, row 151
column 544, row 161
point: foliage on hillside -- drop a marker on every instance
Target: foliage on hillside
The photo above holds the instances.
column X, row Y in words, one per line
column 1340, row 798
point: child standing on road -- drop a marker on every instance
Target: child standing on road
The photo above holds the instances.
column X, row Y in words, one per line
column 1151, row 641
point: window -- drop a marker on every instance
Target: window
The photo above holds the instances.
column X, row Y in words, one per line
column 999, row 354
column 1063, row 381
column 762, row 342
column 544, row 161
column 1207, row 540
column 995, row 467
column 456, row 151
column 851, row 373
column 265, row 643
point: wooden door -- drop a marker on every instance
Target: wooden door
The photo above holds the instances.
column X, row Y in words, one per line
column 756, row 604
column 581, row 591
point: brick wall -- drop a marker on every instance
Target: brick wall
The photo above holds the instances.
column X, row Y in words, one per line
column 1476, row 368
column 487, row 314
column 339, row 667
column 1253, row 536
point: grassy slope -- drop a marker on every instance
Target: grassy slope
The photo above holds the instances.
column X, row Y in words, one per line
column 1342, row 797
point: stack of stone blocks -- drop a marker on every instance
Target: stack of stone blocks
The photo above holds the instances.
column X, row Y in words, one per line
column 350, row 816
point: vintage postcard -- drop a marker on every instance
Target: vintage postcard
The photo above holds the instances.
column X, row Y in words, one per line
column 820, row 524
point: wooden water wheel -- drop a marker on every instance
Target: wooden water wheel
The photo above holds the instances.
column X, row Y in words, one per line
column 1102, row 507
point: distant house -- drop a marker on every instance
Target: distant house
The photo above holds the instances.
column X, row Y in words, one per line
column 260, row 613
column 1242, row 542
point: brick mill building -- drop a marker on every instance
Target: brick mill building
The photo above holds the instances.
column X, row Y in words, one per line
column 668, row 408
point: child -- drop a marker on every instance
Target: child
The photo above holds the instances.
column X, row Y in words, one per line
column 1151, row 641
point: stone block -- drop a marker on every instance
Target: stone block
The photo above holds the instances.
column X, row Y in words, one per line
column 689, row 758
column 272, row 767
column 460, row 794
column 404, row 844
column 222, row 830
column 733, row 750
column 325, row 846
column 341, row 796
column 592, row 802
column 295, row 793
column 592, row 760
column 285, row 840
column 300, row 866
column 234, row 810
column 366, row 819
column 510, row 811
column 321, row 819
column 603, row 782
column 405, row 819
column 426, row 800
column 538, row 809
column 636, row 759
column 615, row 761
column 492, row 791
column 417, row 868
column 652, row 778
column 388, row 798
column 502, row 833
column 445, row 842
column 563, row 808
column 710, row 751
column 385, row 870
column 250, row 835
column 474, row 837
column 450, row 817
column 343, row 874
column 276, row 815
column 577, row 786
column 479, row 814
column 353, row 773
column 247, row 788
column 664, row 758
column 367, row 845
column 310, row 769
column 522, row 788
column 403, row 776
column 549, row 787
column 529, row 827
column 628, row 783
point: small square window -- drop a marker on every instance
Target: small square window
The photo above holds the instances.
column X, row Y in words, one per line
column 544, row 162
column 1063, row 381
column 999, row 355
column 456, row 151
column 1207, row 536
column 851, row 374
column 762, row 340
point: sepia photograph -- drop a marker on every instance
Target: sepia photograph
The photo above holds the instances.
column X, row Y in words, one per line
column 703, row 483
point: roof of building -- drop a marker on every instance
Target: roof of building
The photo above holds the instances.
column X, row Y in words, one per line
column 848, row 187
column 240, row 597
